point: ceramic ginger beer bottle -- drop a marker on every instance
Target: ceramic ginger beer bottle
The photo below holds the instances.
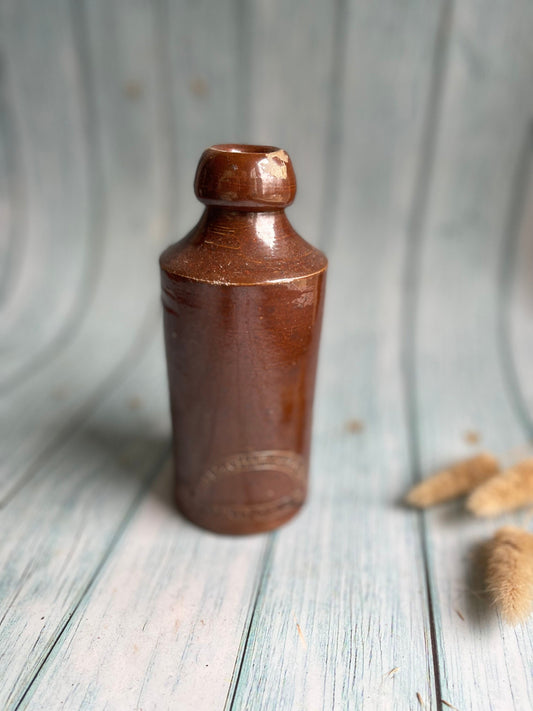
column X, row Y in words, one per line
column 243, row 297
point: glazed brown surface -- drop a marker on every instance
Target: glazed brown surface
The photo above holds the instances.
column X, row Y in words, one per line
column 243, row 299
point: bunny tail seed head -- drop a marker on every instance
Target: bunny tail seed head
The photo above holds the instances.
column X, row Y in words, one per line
column 453, row 482
column 510, row 490
column 509, row 572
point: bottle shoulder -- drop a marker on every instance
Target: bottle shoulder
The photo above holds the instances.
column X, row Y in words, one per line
column 242, row 250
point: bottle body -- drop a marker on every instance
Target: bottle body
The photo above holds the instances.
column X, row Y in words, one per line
column 243, row 299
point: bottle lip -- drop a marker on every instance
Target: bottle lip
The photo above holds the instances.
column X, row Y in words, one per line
column 245, row 176
column 247, row 148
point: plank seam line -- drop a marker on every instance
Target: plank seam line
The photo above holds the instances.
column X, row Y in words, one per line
column 94, row 237
column 16, row 182
column 509, row 257
column 332, row 152
column 23, row 578
column 259, row 590
column 411, row 288
column 98, row 571
column 166, row 109
column 245, row 68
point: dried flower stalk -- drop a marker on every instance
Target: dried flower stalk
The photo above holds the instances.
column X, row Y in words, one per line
column 509, row 572
column 508, row 491
column 456, row 481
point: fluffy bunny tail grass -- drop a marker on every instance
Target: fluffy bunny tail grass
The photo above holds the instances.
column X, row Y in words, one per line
column 453, row 482
column 510, row 490
column 509, row 572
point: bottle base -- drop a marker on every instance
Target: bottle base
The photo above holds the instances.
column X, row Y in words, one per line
column 239, row 522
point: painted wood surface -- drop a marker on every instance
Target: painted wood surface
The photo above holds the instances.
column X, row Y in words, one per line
column 410, row 128
column 459, row 339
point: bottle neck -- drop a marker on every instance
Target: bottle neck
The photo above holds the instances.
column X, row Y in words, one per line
column 264, row 229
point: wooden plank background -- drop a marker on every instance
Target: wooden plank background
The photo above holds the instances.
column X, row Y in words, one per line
column 410, row 127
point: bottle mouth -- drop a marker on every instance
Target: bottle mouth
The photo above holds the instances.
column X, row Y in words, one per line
column 244, row 148
column 243, row 176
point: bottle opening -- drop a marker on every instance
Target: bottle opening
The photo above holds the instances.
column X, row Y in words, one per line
column 244, row 148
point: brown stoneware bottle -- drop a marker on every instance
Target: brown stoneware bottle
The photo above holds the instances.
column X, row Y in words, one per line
column 243, row 298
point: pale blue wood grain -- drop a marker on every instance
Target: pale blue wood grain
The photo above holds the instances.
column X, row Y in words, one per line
column 57, row 533
column 47, row 415
column 461, row 383
column 129, row 228
column 54, row 260
column 162, row 626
